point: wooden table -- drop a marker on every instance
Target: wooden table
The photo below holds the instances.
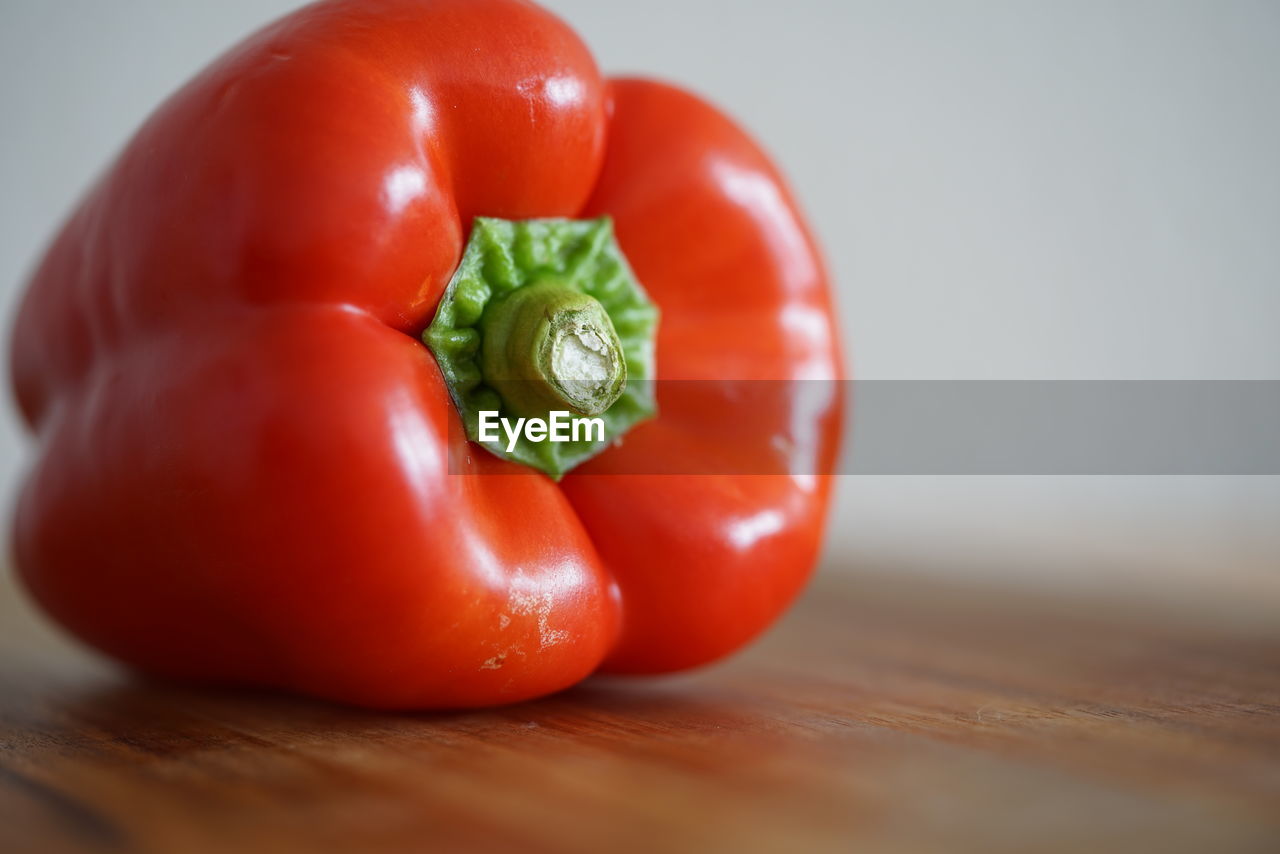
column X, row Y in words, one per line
column 884, row 714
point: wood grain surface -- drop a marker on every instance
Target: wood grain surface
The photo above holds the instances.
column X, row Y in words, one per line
column 884, row 714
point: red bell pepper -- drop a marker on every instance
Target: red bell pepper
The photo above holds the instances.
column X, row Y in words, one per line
column 252, row 471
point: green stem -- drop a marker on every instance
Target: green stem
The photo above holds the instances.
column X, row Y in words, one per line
column 548, row 346
column 545, row 316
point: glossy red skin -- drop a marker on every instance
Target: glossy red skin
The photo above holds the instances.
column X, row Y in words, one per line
column 247, row 457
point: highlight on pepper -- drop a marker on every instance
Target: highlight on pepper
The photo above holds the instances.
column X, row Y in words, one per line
column 401, row 359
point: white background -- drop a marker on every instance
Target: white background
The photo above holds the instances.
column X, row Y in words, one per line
column 1004, row 189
